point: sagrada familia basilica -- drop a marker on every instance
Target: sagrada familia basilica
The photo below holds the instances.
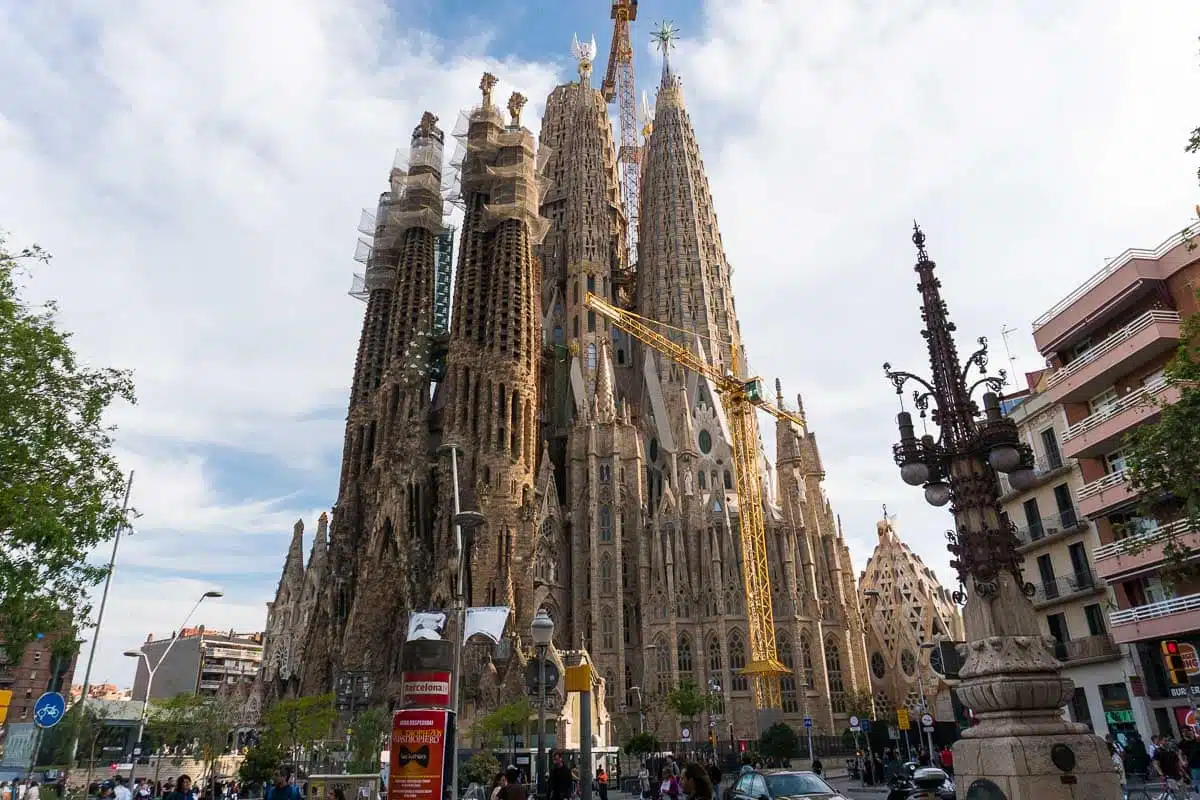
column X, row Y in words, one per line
column 602, row 470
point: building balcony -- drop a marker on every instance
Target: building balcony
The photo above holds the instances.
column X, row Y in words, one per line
column 1143, row 552
column 1161, row 620
column 1064, row 588
column 1087, row 650
column 1121, row 283
column 1099, row 433
column 1049, row 529
column 1105, row 494
column 210, row 686
column 1146, row 338
column 1044, row 469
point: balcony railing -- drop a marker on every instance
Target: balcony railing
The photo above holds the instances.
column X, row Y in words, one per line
column 1089, row 648
column 1112, row 480
column 1041, row 466
column 1112, row 342
column 1163, row 608
column 1134, row 398
column 1141, row 540
column 1064, row 586
column 1049, row 526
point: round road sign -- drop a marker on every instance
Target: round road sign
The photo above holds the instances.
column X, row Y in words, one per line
column 854, row 722
column 49, row 709
column 927, row 720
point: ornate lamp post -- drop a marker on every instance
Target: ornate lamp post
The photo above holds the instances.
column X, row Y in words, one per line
column 1022, row 747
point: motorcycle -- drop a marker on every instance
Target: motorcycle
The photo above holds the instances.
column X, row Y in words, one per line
column 923, row 783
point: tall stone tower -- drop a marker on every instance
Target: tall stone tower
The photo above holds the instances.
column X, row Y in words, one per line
column 490, row 404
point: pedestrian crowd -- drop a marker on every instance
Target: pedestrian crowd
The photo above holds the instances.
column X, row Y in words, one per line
column 1176, row 765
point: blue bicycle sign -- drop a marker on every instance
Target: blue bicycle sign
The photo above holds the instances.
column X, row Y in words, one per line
column 49, row 710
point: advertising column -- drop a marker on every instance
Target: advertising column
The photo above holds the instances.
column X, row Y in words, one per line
column 419, row 769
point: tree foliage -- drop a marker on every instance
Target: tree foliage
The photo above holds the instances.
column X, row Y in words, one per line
column 56, row 742
column 688, row 699
column 860, row 704
column 641, row 744
column 1163, row 457
column 480, row 769
column 61, row 488
column 300, row 722
column 490, row 729
column 260, row 762
column 779, row 741
column 365, row 740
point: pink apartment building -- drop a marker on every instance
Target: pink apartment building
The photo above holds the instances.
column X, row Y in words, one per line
column 1106, row 345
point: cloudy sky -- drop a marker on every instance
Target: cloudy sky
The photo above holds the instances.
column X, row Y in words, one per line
column 197, row 168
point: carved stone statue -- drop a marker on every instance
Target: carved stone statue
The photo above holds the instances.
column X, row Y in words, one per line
column 428, row 124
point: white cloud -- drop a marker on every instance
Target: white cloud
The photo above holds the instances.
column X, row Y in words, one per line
column 198, row 168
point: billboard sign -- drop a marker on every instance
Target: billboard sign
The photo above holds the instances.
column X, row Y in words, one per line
column 426, row 688
column 419, row 768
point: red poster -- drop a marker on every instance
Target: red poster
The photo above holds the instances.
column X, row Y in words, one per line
column 418, row 754
column 1184, row 717
column 426, row 688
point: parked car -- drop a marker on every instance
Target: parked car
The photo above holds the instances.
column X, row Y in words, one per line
column 777, row 784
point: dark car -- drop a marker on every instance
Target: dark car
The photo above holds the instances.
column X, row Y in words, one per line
column 778, row 784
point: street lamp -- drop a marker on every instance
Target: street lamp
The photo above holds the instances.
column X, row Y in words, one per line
column 468, row 521
column 151, row 669
column 925, row 703
column 542, row 632
column 1010, row 677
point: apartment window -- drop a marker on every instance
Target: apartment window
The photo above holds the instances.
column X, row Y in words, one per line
column 37, row 656
column 1079, row 708
column 1079, row 349
column 1126, row 525
column 1095, row 619
column 1050, row 448
column 1033, row 518
column 1079, row 563
column 1115, row 462
column 1154, row 379
column 1066, row 508
column 1046, row 571
column 1103, row 401
column 1058, row 627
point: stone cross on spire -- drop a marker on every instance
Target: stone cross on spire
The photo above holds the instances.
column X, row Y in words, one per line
column 516, row 102
column 486, row 84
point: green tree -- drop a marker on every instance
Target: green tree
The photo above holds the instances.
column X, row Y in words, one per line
column 300, row 722
column 56, row 742
column 490, row 729
column 480, row 768
column 1163, row 459
column 642, row 744
column 688, row 699
column 859, row 704
column 365, row 740
column 61, row 489
column 204, row 721
column 779, row 741
column 260, row 762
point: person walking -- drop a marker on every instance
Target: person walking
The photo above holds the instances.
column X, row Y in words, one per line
column 602, row 782
column 696, row 783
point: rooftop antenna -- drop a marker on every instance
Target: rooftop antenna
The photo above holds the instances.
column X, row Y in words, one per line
column 664, row 37
column 1012, row 361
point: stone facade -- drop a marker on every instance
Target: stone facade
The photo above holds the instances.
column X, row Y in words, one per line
column 602, row 471
column 906, row 608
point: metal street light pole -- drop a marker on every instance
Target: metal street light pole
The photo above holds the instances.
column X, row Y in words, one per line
column 640, row 709
column 925, row 702
column 150, row 670
column 468, row 520
column 1010, row 676
column 112, row 563
column 542, row 633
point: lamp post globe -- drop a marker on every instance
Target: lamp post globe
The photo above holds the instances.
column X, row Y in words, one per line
column 541, row 630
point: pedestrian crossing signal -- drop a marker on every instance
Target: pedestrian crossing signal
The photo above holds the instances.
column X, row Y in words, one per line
column 1173, row 661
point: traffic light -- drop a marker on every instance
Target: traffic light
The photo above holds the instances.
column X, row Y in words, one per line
column 1173, row 661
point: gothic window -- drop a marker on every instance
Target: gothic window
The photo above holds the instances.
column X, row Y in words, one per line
column 806, row 661
column 631, row 697
column 606, row 573
column 606, row 533
column 591, row 283
column 575, row 326
column 662, row 664
column 610, row 690
column 705, row 442
column 714, row 656
column 575, row 293
column 591, row 322
column 833, row 668
column 608, row 629
column 728, row 480
column 605, row 472
column 627, row 614
column 702, row 479
column 591, row 355
column 877, row 665
column 737, row 661
column 685, row 655
column 787, row 683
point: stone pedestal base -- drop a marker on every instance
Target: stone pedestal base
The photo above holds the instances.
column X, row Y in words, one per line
column 1022, row 768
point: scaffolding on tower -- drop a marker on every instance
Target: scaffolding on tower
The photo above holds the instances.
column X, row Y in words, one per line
column 618, row 85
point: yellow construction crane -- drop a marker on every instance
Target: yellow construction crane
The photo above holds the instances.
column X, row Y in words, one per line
column 618, row 85
column 740, row 397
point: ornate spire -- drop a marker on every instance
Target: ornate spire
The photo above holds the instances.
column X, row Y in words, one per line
column 664, row 37
column 486, row 84
column 585, row 54
column 605, row 400
column 516, row 102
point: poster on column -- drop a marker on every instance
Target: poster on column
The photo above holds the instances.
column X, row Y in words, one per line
column 419, row 768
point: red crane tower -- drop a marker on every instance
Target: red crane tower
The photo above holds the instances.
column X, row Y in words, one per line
column 618, row 85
